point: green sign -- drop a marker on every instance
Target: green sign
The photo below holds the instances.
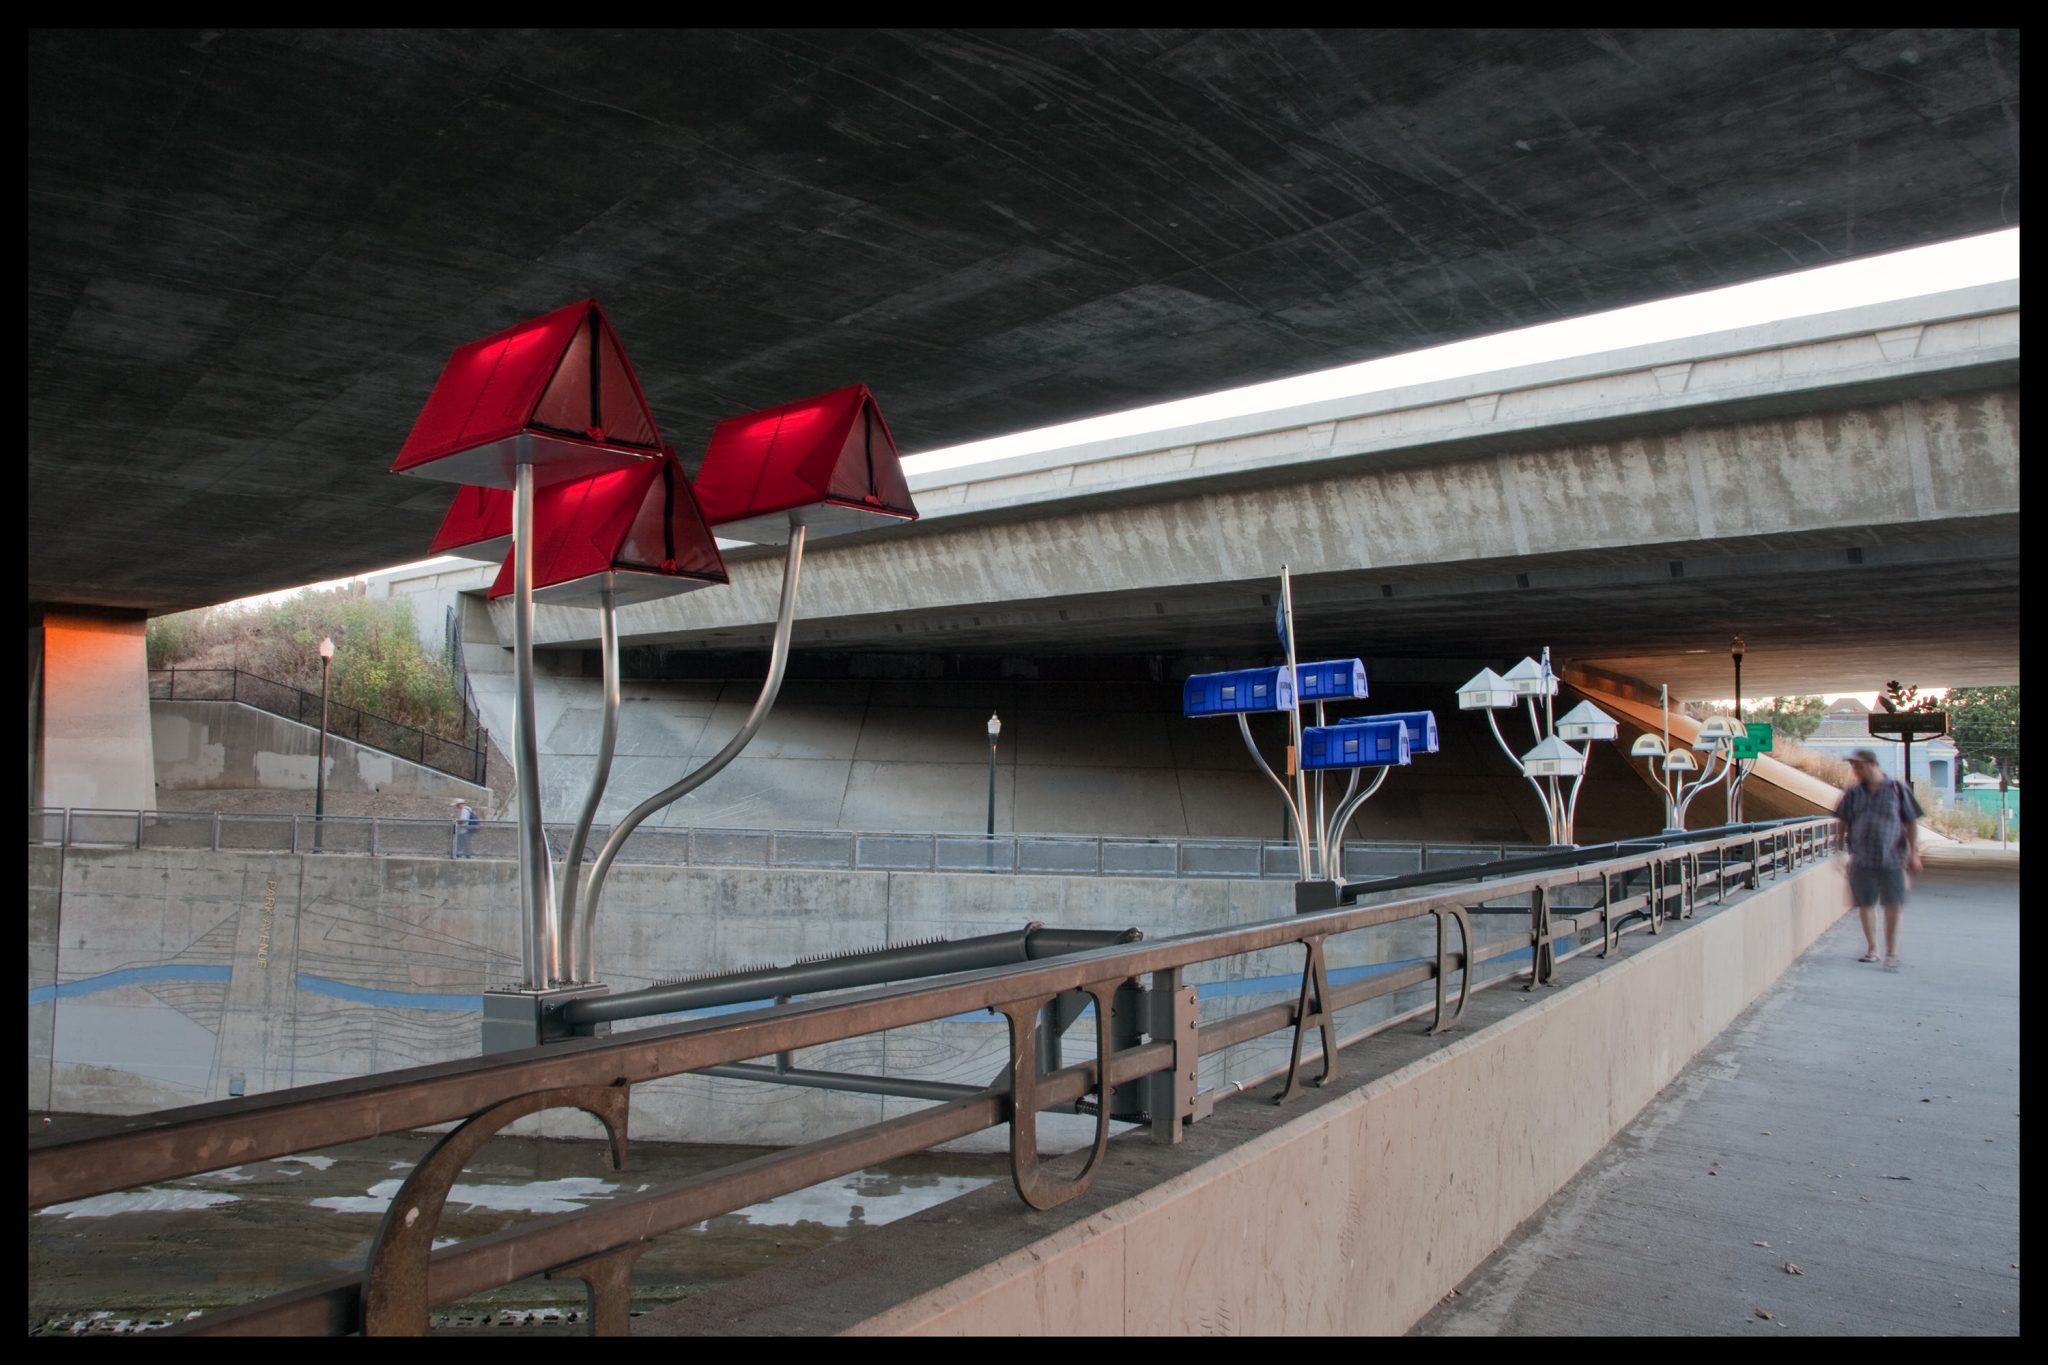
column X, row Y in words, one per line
column 1746, row 748
column 1760, row 735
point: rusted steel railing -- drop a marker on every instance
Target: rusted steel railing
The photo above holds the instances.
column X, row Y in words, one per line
column 1157, row 1047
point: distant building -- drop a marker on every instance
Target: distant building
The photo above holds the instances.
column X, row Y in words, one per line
column 1846, row 728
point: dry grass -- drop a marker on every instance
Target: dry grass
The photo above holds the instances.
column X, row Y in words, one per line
column 1813, row 763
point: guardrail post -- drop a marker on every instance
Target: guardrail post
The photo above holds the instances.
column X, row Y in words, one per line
column 295, row 834
column 373, row 837
column 216, row 831
column 138, row 829
column 1312, row 1010
column 1543, row 958
column 1172, row 1097
column 1444, row 914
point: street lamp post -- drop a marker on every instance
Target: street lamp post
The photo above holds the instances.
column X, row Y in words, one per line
column 320, row 773
column 995, row 727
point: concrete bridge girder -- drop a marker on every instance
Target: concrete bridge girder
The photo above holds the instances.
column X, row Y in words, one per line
column 1670, row 539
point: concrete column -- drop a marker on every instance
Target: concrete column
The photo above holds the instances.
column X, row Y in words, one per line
column 91, row 745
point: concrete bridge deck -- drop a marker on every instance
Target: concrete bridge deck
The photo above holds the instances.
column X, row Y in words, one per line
column 1861, row 1125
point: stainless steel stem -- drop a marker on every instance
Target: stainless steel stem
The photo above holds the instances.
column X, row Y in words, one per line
column 1703, row 783
column 1350, row 790
column 579, row 965
column 1301, row 833
column 1343, row 818
column 1244, row 728
column 1549, row 815
column 778, row 661
column 536, row 871
column 1321, row 830
column 1571, row 813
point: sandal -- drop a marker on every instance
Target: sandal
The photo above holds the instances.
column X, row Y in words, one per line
column 1891, row 964
column 1868, row 957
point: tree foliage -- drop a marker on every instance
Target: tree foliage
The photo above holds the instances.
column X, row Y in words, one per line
column 378, row 664
column 1790, row 718
column 1984, row 721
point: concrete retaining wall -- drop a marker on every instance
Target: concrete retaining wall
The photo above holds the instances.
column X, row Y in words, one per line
column 1307, row 1228
column 1073, row 758
column 165, row 977
column 227, row 746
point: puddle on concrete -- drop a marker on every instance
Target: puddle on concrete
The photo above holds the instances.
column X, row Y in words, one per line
column 140, row 1260
column 137, row 1201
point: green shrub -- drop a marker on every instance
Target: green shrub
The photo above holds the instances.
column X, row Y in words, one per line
column 378, row 666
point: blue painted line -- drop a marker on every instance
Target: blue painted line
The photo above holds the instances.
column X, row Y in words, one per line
column 128, row 976
column 405, row 1000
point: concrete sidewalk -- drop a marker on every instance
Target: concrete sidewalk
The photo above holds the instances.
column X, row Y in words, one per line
column 1858, row 1124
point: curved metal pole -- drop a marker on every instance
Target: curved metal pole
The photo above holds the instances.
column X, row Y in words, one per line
column 1663, row 790
column 577, row 965
column 1571, row 814
column 1350, row 788
column 1286, row 797
column 1301, row 833
column 1322, row 843
column 538, row 949
column 1702, row 784
column 1549, row 815
column 778, row 660
column 1344, row 814
column 1743, row 768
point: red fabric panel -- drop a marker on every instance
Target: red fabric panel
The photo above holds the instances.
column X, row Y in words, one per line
column 830, row 448
column 868, row 472
column 539, row 375
column 477, row 515
column 669, row 534
column 615, row 520
column 488, row 389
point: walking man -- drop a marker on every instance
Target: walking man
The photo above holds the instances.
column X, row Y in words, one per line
column 1882, row 821
column 465, row 821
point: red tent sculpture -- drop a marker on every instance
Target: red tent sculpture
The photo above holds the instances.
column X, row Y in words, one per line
column 478, row 525
column 640, row 527
column 827, row 463
column 555, row 391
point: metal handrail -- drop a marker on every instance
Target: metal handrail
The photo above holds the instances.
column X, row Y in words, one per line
column 121, row 1153
column 348, row 722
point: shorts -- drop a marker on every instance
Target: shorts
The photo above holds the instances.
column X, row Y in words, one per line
column 1877, row 885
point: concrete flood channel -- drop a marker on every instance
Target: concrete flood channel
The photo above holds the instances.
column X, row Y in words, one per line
column 143, row 1259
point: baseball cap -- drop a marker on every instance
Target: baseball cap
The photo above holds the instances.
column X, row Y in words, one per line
column 1865, row 756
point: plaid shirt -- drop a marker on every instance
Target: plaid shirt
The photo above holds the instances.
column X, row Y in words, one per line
column 1877, row 822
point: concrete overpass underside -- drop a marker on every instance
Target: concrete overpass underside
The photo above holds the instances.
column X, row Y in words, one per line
column 251, row 251
column 1846, row 547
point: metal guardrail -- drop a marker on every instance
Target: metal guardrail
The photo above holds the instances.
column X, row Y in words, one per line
column 1104, row 855
column 467, row 757
column 1148, row 1047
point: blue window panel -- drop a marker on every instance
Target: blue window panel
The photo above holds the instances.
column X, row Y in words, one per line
column 1421, row 726
column 1368, row 744
column 1245, row 690
column 1332, row 680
